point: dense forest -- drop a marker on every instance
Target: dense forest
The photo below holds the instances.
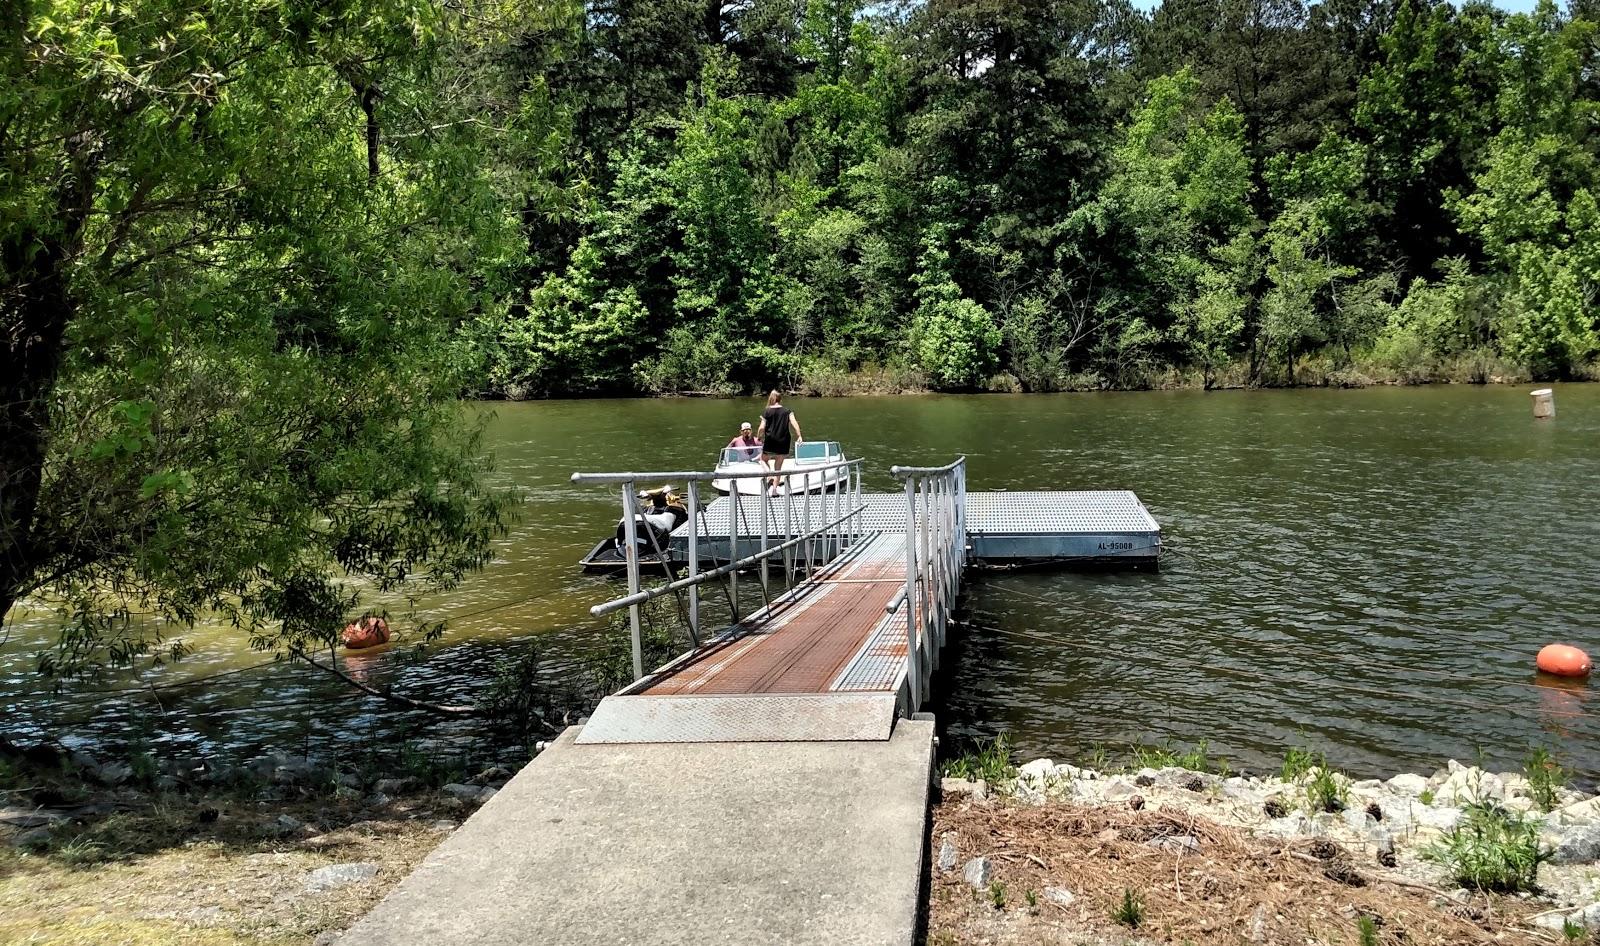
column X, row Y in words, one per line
column 253, row 253
column 1041, row 195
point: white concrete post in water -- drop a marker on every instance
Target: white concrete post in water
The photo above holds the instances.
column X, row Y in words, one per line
column 1544, row 403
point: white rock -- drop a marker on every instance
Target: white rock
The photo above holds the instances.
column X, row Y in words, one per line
column 947, row 853
column 1574, row 844
column 1039, row 770
column 1117, row 787
column 1581, row 812
column 977, row 872
column 1357, row 819
column 1067, row 772
column 1587, row 917
column 1468, row 785
column 1293, row 825
column 335, row 876
column 1438, row 817
column 463, row 792
column 1060, row 896
column 978, row 789
column 1408, row 784
column 1367, row 784
column 486, row 794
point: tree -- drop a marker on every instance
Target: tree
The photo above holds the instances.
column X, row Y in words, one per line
column 235, row 245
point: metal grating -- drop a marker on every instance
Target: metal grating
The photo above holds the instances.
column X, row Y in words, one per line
column 827, row 717
column 1027, row 513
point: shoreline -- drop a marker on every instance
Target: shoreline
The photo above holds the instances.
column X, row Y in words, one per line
column 1406, row 837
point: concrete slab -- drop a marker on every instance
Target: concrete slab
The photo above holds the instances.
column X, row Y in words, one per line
column 793, row 843
column 794, row 717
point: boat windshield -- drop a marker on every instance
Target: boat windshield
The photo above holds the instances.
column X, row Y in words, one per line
column 818, row 450
column 732, row 455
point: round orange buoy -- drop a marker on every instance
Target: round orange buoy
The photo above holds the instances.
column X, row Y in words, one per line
column 1563, row 661
column 368, row 632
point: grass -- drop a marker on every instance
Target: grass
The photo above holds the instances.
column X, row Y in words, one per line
column 1572, row 932
column 1164, row 756
column 1491, row 849
column 1297, row 762
column 990, row 761
column 1546, row 777
column 997, row 894
column 1031, row 896
column 1325, row 790
column 1130, row 912
column 1367, row 930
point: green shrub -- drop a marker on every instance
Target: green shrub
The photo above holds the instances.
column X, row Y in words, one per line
column 1546, row 777
column 1325, row 790
column 1297, row 762
column 1130, row 912
column 1491, row 849
column 1196, row 759
column 990, row 761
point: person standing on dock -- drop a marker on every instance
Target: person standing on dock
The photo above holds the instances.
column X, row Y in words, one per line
column 778, row 433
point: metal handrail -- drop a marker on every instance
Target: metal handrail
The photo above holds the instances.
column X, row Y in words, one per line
column 832, row 534
column 936, row 552
column 901, row 472
column 713, row 475
column 650, row 594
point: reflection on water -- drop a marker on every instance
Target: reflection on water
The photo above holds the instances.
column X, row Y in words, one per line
column 1369, row 570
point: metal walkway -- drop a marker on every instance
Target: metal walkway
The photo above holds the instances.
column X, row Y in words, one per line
column 854, row 644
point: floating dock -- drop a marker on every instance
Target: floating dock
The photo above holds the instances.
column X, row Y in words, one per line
column 1082, row 527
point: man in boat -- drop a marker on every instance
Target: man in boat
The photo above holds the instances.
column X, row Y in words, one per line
column 747, row 442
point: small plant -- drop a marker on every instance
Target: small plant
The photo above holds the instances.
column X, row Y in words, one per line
column 81, row 852
column 1130, row 912
column 1325, row 790
column 1367, row 930
column 1491, row 849
column 1032, row 897
column 1164, row 756
column 1570, row 931
column 1546, row 777
column 1099, row 760
column 991, row 761
column 1426, row 797
column 1297, row 762
column 997, row 894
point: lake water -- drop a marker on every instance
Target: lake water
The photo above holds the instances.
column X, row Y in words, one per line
column 1370, row 572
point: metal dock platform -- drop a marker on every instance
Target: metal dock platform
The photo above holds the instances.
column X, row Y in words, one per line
column 1085, row 527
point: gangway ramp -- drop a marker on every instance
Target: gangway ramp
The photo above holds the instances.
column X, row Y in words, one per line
column 824, row 661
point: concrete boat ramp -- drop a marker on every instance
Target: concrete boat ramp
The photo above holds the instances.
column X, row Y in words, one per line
column 771, row 785
column 706, row 844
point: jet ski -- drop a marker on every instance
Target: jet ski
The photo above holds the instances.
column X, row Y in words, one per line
column 662, row 510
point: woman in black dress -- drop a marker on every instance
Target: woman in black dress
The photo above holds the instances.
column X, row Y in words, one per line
column 778, row 433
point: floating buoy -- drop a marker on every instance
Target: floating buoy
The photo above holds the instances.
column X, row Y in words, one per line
column 367, row 632
column 1563, row 661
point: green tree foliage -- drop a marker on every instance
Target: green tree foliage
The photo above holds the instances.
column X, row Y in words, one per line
column 237, row 241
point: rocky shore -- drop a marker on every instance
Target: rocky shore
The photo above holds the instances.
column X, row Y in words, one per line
column 1392, row 827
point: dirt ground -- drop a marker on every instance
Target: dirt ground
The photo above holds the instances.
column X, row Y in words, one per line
column 1061, row 872
column 177, row 871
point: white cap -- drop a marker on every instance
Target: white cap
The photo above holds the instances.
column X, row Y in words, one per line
column 745, row 426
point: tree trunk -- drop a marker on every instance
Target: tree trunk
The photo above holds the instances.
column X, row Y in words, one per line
column 35, row 322
column 36, row 306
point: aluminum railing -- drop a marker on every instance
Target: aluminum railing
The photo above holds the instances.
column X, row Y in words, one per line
column 936, row 552
column 802, row 544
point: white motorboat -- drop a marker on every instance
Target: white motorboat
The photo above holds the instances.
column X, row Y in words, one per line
column 807, row 453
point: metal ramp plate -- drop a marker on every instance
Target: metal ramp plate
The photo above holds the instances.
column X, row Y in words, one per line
column 822, row 717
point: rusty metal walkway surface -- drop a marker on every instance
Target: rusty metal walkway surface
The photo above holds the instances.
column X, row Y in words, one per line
column 824, row 661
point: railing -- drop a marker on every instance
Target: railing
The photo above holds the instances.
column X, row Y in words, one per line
column 840, row 528
column 936, row 552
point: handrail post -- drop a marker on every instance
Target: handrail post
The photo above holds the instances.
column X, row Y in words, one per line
column 913, row 662
column 764, row 587
column 805, row 524
column 735, row 506
column 630, row 533
column 694, row 563
column 788, row 533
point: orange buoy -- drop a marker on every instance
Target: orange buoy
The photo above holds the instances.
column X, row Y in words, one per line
column 367, row 632
column 1563, row 661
